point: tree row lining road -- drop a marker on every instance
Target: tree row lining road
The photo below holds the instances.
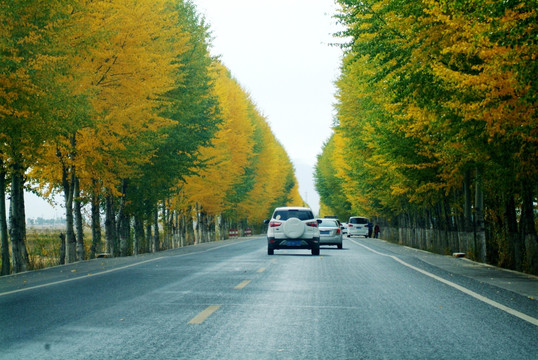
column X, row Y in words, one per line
column 231, row 300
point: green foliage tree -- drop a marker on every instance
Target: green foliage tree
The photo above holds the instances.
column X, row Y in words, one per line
column 119, row 104
column 192, row 110
column 433, row 100
column 33, row 102
column 328, row 185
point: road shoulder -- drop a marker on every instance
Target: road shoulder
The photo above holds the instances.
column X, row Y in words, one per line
column 519, row 283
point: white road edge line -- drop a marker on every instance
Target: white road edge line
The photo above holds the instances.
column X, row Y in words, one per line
column 107, row 271
column 78, row 278
column 477, row 296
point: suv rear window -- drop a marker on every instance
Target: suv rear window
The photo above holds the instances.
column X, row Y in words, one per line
column 328, row 223
column 287, row 214
column 358, row 220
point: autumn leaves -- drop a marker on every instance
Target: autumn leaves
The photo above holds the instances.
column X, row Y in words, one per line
column 120, row 102
column 436, row 101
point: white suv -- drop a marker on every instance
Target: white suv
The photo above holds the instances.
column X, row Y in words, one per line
column 358, row 225
column 292, row 228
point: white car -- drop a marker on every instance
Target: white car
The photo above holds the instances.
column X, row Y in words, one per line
column 357, row 225
column 343, row 226
column 292, row 228
column 330, row 232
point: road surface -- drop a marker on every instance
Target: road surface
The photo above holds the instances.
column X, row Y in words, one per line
column 230, row 300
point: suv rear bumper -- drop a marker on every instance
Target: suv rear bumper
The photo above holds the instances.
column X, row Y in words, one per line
column 273, row 243
column 358, row 232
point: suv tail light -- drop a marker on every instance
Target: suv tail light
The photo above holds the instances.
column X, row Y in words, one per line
column 338, row 231
column 312, row 223
column 275, row 223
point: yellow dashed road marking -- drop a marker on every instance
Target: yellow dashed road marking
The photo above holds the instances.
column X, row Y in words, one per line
column 242, row 285
column 201, row 317
column 260, row 270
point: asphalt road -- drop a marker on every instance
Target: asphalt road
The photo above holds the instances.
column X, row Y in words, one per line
column 230, row 300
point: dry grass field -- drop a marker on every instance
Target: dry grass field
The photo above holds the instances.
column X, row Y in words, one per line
column 43, row 246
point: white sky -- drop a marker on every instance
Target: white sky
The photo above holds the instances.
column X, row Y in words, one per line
column 278, row 50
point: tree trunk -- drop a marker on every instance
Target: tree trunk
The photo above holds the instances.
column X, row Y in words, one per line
column 70, row 245
column 96, row 225
column 195, row 224
column 447, row 215
column 3, row 222
column 148, row 245
column 166, row 226
column 182, row 230
column 479, row 213
column 174, row 227
column 511, row 233
column 124, row 232
column 156, row 241
column 81, row 251
column 17, row 221
column 494, row 223
column 467, row 207
column 200, row 224
column 110, row 226
column 62, row 249
column 528, row 229
column 218, row 220
column 123, row 222
column 68, row 184
column 139, row 234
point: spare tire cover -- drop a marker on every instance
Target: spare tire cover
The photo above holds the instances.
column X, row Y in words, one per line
column 293, row 228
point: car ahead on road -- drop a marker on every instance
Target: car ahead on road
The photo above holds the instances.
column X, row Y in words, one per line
column 330, row 232
column 332, row 217
column 357, row 226
column 292, row 228
column 343, row 226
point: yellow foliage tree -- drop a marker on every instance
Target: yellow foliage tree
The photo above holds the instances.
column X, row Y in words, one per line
column 126, row 60
column 227, row 157
column 246, row 170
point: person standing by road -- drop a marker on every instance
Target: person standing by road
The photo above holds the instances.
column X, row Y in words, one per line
column 370, row 228
column 377, row 230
